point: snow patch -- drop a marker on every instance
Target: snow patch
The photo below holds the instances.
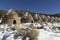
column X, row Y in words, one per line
column 25, row 15
column 9, row 11
column 36, row 16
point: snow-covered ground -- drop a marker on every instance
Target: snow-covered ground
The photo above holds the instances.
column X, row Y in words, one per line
column 44, row 34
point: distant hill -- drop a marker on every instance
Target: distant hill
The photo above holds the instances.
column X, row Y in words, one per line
column 2, row 13
column 55, row 15
column 21, row 12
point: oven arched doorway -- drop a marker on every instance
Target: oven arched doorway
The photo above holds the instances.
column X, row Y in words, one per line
column 14, row 21
column 31, row 21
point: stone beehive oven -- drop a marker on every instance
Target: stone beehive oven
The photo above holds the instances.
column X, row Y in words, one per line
column 44, row 19
column 27, row 18
column 17, row 17
column 49, row 18
column 37, row 18
column 11, row 18
column 52, row 19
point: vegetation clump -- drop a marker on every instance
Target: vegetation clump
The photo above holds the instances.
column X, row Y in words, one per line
column 32, row 33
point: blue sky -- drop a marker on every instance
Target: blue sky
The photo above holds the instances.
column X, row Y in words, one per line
column 39, row 6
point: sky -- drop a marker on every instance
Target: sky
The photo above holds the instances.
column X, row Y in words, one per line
column 38, row 6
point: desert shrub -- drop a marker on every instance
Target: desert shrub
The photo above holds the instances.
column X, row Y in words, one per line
column 21, row 32
column 54, row 28
column 15, row 36
column 31, row 33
